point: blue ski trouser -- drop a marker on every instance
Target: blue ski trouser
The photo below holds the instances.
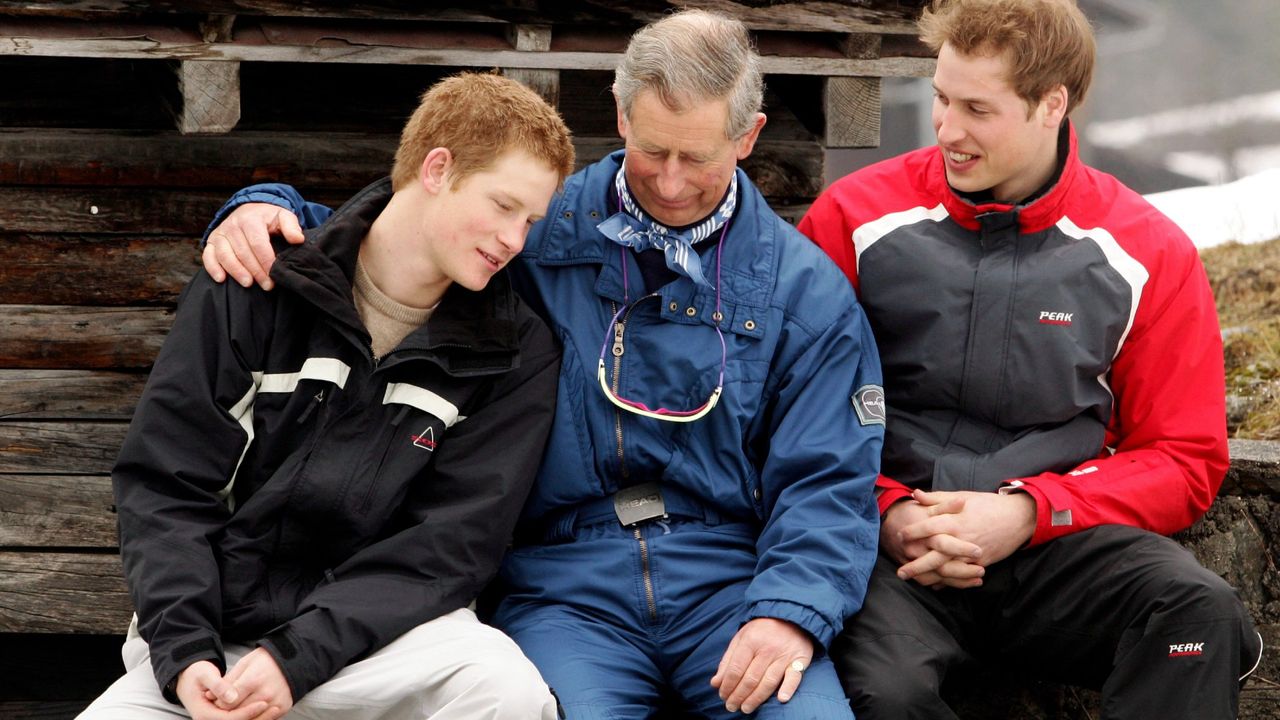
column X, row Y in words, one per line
column 624, row 621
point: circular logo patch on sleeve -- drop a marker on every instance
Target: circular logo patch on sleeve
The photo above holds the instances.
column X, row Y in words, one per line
column 868, row 402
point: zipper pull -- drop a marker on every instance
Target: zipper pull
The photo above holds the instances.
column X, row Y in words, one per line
column 617, row 340
column 311, row 406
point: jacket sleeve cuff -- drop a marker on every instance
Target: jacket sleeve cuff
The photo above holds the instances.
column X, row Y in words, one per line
column 169, row 663
column 285, row 652
column 889, row 492
column 822, row 631
column 279, row 195
column 1053, row 519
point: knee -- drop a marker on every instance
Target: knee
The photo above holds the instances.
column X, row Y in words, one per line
column 506, row 682
column 892, row 699
column 1201, row 596
column 900, row 691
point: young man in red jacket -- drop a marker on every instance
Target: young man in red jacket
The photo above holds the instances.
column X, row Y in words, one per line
column 1054, row 380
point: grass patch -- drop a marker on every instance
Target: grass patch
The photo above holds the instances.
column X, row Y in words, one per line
column 1246, row 285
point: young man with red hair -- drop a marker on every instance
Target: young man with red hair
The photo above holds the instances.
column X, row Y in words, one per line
column 318, row 480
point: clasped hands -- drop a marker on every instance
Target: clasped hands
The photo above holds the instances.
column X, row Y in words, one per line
column 254, row 689
column 947, row 539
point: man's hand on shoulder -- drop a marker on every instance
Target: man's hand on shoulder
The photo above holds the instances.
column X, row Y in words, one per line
column 765, row 655
column 241, row 244
column 199, row 687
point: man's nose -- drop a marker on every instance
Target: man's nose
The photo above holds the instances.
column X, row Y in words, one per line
column 948, row 127
column 671, row 179
column 512, row 236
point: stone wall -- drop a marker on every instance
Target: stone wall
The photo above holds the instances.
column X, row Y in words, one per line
column 1239, row 538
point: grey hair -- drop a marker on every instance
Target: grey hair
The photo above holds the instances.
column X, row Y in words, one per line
column 694, row 55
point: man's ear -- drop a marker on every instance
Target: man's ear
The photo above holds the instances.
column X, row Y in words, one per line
column 622, row 118
column 434, row 174
column 1055, row 106
column 747, row 142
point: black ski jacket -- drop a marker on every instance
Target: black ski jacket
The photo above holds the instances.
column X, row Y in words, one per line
column 278, row 487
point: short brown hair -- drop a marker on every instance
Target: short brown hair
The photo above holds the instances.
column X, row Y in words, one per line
column 478, row 117
column 1048, row 42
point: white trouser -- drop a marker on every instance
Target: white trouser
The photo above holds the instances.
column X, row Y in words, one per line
column 452, row 667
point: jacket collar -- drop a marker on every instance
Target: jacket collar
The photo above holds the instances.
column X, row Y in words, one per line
column 571, row 238
column 468, row 332
column 1044, row 210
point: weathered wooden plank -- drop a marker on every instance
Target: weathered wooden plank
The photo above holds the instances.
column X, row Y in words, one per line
column 106, row 210
column 60, row 592
column 534, row 38
column 369, row 52
column 94, row 269
column 852, row 112
column 56, row 511
column 76, row 448
column 74, row 338
column 889, row 16
column 790, row 171
column 851, row 106
column 318, row 161
column 210, row 97
column 48, row 210
column 69, row 394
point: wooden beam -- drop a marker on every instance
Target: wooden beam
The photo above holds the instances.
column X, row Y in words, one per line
column 107, row 210
column 217, row 27
column 851, row 105
column 68, row 394
column 535, row 39
column 329, row 168
column 80, row 338
column 47, row 592
column 76, row 448
column 210, row 93
column 57, row 511
column 887, row 16
column 852, row 109
column 52, row 269
column 140, row 45
column 316, row 161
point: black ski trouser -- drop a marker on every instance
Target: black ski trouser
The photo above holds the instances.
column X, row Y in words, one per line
column 1113, row 608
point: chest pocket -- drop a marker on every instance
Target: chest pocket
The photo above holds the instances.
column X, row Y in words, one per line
column 418, row 420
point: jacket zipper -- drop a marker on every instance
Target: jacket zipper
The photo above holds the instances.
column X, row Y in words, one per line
column 618, row 330
column 367, row 500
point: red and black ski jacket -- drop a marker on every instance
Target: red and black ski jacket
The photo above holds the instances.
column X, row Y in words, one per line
column 1068, row 346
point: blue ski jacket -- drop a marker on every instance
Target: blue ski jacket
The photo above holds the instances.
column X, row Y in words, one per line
column 794, row 443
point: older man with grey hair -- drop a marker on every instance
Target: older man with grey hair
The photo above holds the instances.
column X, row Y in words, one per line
column 703, row 521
